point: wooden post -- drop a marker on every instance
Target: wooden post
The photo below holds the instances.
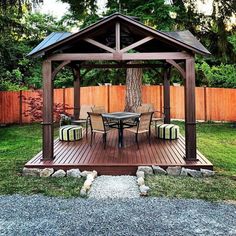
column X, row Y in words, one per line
column 108, row 98
column 190, row 116
column 161, row 98
column 77, row 94
column 117, row 36
column 47, row 111
column 166, row 96
column 20, row 106
column 64, row 99
column 205, row 103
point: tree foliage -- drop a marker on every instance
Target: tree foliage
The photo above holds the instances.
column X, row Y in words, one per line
column 152, row 13
column 20, row 31
column 19, row 34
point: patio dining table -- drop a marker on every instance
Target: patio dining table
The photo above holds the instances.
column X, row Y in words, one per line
column 120, row 118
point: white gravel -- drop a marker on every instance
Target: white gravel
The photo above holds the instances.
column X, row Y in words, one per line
column 107, row 186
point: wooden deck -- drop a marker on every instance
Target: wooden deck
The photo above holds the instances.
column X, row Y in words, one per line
column 117, row 161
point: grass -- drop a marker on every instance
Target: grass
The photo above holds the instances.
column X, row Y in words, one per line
column 218, row 143
column 216, row 188
column 17, row 145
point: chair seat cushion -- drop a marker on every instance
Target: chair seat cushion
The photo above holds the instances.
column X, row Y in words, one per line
column 167, row 131
column 70, row 133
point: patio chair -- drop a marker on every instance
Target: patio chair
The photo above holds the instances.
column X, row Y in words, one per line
column 98, row 109
column 140, row 109
column 101, row 110
column 148, row 107
column 83, row 116
column 143, row 126
column 154, row 117
column 145, row 107
column 98, row 125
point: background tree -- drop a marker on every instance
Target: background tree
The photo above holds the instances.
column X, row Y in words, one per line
column 152, row 13
column 20, row 31
column 133, row 95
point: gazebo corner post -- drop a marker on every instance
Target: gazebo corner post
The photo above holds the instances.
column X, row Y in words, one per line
column 166, row 95
column 48, row 152
column 77, row 93
column 190, row 113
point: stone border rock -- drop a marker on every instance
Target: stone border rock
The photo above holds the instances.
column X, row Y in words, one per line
column 171, row 170
column 90, row 177
column 50, row 172
column 141, row 172
column 75, row 173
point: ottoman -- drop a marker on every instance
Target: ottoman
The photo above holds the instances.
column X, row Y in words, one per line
column 167, row 131
column 70, row 133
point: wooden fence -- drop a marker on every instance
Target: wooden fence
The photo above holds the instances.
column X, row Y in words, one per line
column 215, row 104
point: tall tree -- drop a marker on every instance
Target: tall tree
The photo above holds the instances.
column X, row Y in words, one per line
column 19, row 33
column 83, row 11
column 211, row 28
column 133, row 97
column 153, row 13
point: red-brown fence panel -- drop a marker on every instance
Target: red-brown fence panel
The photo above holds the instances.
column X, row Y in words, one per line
column 216, row 104
column 116, row 98
column 95, row 95
column 154, row 95
column 9, row 107
column 221, row 104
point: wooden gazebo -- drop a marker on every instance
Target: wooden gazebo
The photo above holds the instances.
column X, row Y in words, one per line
column 113, row 42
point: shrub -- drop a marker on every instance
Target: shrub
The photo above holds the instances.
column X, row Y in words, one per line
column 218, row 76
column 35, row 107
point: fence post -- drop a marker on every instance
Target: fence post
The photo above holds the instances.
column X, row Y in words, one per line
column 108, row 97
column 64, row 98
column 205, row 102
column 20, row 108
column 160, row 86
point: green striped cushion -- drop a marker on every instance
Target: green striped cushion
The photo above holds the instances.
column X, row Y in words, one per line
column 167, row 131
column 70, row 133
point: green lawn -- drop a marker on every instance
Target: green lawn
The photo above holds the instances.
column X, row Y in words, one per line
column 217, row 142
column 18, row 144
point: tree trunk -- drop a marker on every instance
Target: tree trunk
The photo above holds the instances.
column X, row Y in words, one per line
column 133, row 97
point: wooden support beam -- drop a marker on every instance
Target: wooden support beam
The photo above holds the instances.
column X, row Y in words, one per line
column 100, row 45
column 136, row 44
column 47, row 111
column 190, row 116
column 77, row 94
column 178, row 67
column 56, row 70
column 167, row 95
column 117, row 36
column 121, row 65
column 119, row 56
column 155, row 56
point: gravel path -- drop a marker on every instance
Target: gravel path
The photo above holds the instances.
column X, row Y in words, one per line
column 39, row 215
column 106, row 186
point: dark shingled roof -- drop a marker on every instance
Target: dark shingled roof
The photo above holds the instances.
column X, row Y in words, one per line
column 59, row 39
column 187, row 37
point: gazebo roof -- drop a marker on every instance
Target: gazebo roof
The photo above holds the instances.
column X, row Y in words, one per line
column 131, row 31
